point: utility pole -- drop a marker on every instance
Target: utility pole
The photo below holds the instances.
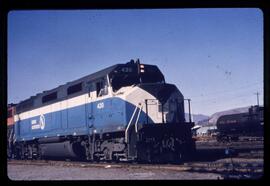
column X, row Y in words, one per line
column 257, row 93
column 189, row 109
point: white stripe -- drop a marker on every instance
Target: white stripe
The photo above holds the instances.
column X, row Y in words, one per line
column 58, row 106
column 77, row 101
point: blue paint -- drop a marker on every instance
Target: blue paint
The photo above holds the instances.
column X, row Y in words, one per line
column 64, row 119
column 76, row 119
column 115, row 113
column 130, row 110
column 112, row 113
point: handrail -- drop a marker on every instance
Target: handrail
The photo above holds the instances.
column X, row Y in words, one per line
column 130, row 121
column 136, row 123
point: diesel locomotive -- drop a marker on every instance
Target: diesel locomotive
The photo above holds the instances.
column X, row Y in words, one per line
column 126, row 112
column 232, row 127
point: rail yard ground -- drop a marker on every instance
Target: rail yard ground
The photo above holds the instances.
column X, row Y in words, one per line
column 107, row 172
column 211, row 163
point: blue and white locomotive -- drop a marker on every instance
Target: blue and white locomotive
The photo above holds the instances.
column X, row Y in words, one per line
column 124, row 112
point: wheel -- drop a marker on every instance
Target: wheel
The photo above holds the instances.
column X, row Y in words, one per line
column 96, row 158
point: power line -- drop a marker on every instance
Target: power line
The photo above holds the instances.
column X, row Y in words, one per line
column 229, row 91
column 227, row 104
column 227, row 98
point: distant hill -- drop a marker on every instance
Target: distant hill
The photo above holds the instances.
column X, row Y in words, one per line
column 197, row 118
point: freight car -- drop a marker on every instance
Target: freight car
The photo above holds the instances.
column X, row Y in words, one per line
column 10, row 128
column 235, row 126
column 124, row 112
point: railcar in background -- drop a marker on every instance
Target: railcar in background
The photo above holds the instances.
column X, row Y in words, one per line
column 241, row 125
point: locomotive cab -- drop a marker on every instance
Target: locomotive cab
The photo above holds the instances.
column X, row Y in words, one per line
column 145, row 85
column 133, row 74
column 152, row 107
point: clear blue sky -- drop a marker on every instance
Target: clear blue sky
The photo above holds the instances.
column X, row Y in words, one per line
column 214, row 56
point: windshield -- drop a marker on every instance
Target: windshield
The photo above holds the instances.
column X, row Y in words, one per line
column 133, row 74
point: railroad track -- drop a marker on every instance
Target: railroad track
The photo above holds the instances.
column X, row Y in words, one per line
column 252, row 145
column 213, row 150
column 210, row 158
column 224, row 166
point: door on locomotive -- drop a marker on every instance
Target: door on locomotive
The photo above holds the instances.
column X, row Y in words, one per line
column 90, row 98
column 96, row 90
column 94, row 109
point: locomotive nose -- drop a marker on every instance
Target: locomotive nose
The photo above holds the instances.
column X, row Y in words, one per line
column 170, row 105
column 161, row 92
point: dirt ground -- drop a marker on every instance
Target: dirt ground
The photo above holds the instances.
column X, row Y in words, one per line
column 35, row 172
column 62, row 170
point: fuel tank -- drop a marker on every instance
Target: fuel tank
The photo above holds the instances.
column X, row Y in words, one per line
column 64, row 149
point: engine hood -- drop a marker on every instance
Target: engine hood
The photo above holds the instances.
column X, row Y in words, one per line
column 161, row 91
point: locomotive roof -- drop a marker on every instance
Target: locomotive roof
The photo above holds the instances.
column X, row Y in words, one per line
column 90, row 77
column 35, row 101
column 97, row 74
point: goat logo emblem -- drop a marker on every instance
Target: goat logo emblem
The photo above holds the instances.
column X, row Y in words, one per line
column 42, row 122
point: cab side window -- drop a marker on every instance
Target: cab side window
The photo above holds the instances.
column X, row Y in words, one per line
column 101, row 87
column 90, row 88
